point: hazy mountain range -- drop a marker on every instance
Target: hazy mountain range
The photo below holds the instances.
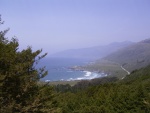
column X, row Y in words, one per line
column 93, row 53
column 132, row 57
column 110, row 58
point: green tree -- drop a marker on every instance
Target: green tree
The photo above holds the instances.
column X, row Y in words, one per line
column 19, row 76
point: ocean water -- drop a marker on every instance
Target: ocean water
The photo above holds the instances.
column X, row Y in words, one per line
column 58, row 69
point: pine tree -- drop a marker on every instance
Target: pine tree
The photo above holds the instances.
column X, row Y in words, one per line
column 19, row 91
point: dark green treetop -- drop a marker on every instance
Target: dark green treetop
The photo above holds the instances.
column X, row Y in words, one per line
column 19, row 76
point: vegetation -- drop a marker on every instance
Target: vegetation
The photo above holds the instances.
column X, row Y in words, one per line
column 130, row 95
column 71, row 83
column 133, row 57
column 18, row 79
column 21, row 91
column 112, row 69
column 84, row 84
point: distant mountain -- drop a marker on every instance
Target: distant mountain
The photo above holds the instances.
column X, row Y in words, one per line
column 92, row 53
column 132, row 57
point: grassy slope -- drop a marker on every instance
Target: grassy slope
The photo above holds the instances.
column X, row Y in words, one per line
column 130, row 95
column 108, row 67
column 132, row 57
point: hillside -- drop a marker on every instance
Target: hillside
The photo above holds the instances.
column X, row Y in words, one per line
column 132, row 57
column 108, row 67
column 129, row 58
column 130, row 95
column 92, row 53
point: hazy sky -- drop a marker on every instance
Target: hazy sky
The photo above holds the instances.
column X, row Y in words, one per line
column 56, row 25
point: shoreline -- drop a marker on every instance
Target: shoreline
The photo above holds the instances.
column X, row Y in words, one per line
column 88, row 75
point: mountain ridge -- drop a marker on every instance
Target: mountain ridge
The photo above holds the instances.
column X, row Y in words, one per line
column 93, row 53
column 132, row 57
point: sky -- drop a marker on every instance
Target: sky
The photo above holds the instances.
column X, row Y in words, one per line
column 57, row 25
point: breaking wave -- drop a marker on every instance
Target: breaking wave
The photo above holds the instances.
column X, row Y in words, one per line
column 88, row 76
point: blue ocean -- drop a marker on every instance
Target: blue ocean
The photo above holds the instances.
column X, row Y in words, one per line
column 59, row 69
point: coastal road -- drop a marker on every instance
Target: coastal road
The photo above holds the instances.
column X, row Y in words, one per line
column 125, row 70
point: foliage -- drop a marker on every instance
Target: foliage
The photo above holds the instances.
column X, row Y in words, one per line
column 83, row 84
column 130, row 95
column 18, row 79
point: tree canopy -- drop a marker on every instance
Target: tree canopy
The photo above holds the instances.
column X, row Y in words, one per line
column 19, row 76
